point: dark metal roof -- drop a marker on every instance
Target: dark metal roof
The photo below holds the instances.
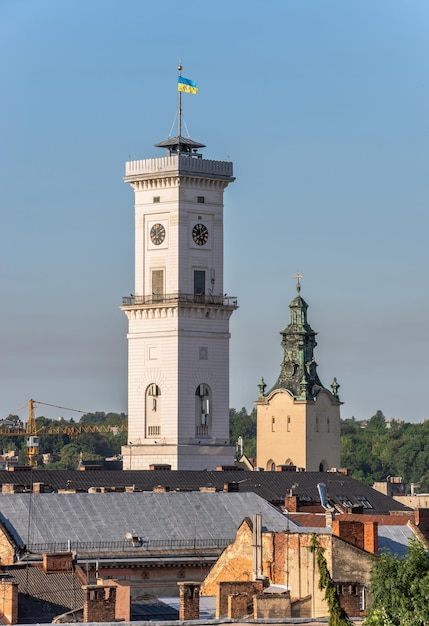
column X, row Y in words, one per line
column 272, row 486
column 42, row 597
column 180, row 144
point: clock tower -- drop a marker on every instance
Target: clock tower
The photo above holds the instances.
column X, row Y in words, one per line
column 178, row 316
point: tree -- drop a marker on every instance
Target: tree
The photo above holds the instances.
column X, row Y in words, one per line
column 241, row 424
column 400, row 589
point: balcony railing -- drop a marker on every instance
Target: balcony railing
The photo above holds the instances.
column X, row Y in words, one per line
column 151, row 545
column 180, row 298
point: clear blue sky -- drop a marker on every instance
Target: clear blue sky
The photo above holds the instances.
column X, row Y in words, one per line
column 323, row 108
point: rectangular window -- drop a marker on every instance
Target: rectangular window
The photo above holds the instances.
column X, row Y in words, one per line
column 156, row 199
column 199, row 282
column 157, row 285
column 364, row 502
column 201, row 199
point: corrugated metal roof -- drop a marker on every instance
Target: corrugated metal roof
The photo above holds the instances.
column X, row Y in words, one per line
column 394, row 539
column 41, row 596
column 108, row 517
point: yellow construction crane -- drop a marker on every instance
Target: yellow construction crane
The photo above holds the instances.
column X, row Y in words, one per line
column 72, row 430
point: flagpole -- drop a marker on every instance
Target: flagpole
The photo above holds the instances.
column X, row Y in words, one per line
column 179, row 110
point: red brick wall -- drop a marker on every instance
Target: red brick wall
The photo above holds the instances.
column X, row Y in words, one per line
column 238, row 605
column 226, row 589
column 421, row 518
column 350, row 600
column 60, row 562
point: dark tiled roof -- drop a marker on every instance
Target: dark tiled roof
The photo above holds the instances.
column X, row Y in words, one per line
column 272, row 486
column 43, row 596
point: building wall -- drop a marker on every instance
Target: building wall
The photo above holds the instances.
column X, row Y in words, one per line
column 7, row 548
column 287, row 560
column 304, row 433
column 153, row 579
column 281, row 431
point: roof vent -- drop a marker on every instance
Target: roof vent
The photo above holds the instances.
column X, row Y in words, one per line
column 135, row 540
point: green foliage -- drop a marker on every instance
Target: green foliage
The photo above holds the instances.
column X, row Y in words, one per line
column 244, row 425
column 375, row 449
column 337, row 615
column 66, row 452
column 400, row 589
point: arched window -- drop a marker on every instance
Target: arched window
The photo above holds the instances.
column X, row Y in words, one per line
column 202, row 410
column 153, row 411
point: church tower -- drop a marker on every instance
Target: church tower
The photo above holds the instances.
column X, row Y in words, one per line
column 178, row 316
column 298, row 420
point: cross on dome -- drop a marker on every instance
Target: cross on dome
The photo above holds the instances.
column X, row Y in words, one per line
column 298, row 285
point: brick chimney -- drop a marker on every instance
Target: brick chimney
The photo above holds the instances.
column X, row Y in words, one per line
column 291, row 504
column 364, row 535
column 9, row 599
column 58, row 562
column 99, row 603
column 370, row 543
column 189, row 607
column 161, row 489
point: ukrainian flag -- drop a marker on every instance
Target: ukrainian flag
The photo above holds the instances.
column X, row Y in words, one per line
column 186, row 85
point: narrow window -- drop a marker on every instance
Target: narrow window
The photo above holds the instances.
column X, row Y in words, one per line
column 273, row 421
column 153, row 411
column 202, row 409
column 157, row 285
column 199, row 282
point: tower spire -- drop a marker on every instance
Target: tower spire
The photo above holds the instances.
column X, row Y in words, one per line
column 299, row 368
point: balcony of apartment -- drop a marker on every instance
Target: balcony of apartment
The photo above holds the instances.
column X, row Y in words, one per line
column 181, row 299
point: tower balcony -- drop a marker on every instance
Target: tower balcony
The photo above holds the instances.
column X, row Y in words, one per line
column 175, row 299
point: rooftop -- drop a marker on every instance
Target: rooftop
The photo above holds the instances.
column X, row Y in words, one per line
column 271, row 486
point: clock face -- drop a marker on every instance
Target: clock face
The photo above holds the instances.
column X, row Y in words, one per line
column 200, row 234
column 157, row 234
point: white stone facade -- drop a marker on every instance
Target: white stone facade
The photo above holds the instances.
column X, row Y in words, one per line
column 178, row 332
